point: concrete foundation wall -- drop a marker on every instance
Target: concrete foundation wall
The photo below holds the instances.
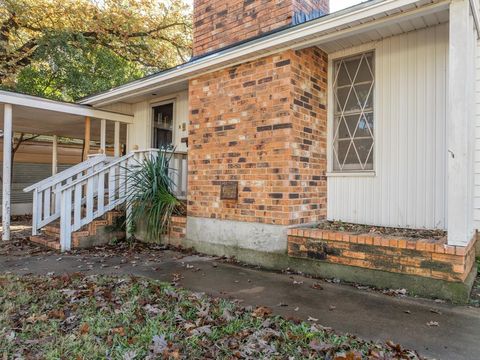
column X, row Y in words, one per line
column 237, row 234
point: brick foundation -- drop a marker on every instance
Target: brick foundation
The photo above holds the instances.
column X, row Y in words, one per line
column 177, row 231
column 262, row 124
column 219, row 23
column 426, row 258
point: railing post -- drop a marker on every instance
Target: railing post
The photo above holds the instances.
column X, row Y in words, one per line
column 39, row 208
column 185, row 175
column 35, row 214
column 128, row 208
column 66, row 220
column 89, row 199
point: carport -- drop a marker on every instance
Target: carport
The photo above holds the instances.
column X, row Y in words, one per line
column 35, row 115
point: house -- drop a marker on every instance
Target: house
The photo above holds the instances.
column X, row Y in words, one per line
column 290, row 116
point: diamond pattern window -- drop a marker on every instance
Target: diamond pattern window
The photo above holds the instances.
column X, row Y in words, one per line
column 353, row 141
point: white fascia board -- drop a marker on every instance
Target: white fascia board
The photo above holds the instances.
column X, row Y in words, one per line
column 298, row 36
column 7, row 97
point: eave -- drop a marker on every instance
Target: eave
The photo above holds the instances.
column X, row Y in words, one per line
column 358, row 19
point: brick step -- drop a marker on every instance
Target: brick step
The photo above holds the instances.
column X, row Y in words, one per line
column 46, row 241
column 50, row 236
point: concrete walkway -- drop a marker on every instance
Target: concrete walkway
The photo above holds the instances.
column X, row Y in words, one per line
column 368, row 314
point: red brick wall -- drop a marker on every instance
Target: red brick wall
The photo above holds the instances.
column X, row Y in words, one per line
column 422, row 257
column 307, row 191
column 219, row 23
column 263, row 124
column 307, row 7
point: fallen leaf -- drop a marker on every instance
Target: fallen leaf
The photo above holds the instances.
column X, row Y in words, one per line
column 433, row 323
column 159, row 344
column 227, row 315
column 320, row 346
column 118, row 331
column 317, row 286
column 202, row 330
column 312, row 319
column 57, row 314
column 261, row 312
column 34, row 318
column 130, row 355
column 84, row 329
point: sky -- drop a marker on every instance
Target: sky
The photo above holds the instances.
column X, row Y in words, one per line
column 335, row 5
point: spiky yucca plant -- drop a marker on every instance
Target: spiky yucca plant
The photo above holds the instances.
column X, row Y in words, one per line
column 150, row 195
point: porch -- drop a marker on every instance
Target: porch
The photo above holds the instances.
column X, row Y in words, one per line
column 73, row 198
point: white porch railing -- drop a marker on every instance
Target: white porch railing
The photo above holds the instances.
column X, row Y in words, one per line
column 104, row 187
column 46, row 204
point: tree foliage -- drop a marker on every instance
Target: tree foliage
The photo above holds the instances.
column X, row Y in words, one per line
column 70, row 48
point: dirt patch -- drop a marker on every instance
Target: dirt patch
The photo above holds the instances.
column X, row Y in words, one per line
column 384, row 231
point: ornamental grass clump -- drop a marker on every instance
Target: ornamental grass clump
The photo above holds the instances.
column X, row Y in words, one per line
column 150, row 196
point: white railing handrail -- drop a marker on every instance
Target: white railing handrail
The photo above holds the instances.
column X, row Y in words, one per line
column 112, row 164
column 95, row 173
column 64, row 175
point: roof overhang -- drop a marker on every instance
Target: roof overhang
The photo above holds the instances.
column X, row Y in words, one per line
column 40, row 116
column 350, row 22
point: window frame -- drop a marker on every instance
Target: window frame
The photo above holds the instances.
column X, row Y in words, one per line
column 355, row 51
column 152, row 120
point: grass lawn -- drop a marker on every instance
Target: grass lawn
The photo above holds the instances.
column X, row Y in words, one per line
column 98, row 317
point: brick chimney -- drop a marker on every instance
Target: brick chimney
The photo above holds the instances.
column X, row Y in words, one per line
column 219, row 23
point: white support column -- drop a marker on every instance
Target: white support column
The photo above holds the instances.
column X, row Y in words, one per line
column 7, row 168
column 460, row 124
column 55, row 155
column 103, row 136
column 116, row 140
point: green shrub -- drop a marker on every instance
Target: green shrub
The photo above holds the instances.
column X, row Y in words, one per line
column 150, row 195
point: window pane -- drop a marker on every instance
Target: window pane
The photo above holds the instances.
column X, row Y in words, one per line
column 352, row 66
column 342, row 130
column 352, row 158
column 352, row 103
column 363, row 147
column 364, row 95
column 341, row 97
column 342, row 76
column 364, row 73
column 365, row 126
column 353, row 139
column 352, row 121
column 343, row 147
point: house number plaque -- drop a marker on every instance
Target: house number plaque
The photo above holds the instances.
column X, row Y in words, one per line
column 229, row 190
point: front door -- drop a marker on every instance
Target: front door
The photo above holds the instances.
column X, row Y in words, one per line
column 163, row 126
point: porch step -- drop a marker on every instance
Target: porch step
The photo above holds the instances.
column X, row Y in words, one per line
column 93, row 233
column 46, row 241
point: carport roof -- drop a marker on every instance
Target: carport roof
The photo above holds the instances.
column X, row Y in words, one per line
column 35, row 115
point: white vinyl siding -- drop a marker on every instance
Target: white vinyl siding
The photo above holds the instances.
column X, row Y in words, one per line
column 408, row 189
column 476, row 198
